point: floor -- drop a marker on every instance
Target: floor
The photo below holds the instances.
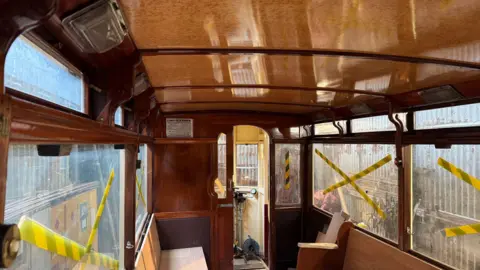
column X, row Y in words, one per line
column 239, row 264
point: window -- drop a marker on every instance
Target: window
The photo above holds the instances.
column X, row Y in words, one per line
column 449, row 117
column 221, row 184
column 118, row 117
column 34, row 71
column 329, row 128
column 441, row 200
column 247, row 164
column 141, row 191
column 376, row 123
column 380, row 185
column 287, row 175
column 63, row 194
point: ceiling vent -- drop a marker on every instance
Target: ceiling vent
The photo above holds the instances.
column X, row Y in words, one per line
column 441, row 94
column 141, row 84
column 97, row 28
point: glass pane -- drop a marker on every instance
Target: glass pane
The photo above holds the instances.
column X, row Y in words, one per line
column 441, row 200
column 63, row 194
column 380, row 185
column 329, row 128
column 119, row 116
column 376, row 123
column 221, row 184
column 247, row 165
column 287, row 175
column 141, row 191
column 31, row 70
column 449, row 117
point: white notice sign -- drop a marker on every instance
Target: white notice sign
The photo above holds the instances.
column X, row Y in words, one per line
column 179, row 128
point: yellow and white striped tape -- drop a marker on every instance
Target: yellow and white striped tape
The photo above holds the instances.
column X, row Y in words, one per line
column 287, row 171
column 461, row 230
column 469, row 179
column 100, row 211
column 361, row 174
column 139, row 187
column 459, row 173
column 355, row 186
column 44, row 238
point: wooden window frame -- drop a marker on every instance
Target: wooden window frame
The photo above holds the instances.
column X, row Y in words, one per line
column 453, row 136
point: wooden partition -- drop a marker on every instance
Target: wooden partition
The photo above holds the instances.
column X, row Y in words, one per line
column 150, row 251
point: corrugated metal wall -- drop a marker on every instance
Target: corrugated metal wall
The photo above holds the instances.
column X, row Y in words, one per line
column 247, row 164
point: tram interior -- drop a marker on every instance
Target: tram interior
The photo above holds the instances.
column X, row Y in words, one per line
column 239, row 134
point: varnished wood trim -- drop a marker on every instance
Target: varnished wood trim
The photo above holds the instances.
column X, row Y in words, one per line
column 406, row 244
column 244, row 101
column 131, row 155
column 34, row 123
column 185, row 141
column 308, row 52
column 5, row 121
column 267, row 86
column 184, row 214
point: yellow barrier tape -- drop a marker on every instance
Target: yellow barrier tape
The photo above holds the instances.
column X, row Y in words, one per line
column 220, row 186
column 361, row 174
column 287, row 170
column 459, row 173
column 139, row 187
column 461, row 230
column 355, row 186
column 44, row 238
column 471, row 180
column 100, row 211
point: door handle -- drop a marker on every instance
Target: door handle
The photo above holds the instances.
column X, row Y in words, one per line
column 225, row 205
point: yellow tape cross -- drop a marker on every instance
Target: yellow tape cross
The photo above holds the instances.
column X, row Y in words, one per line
column 355, row 186
column 44, row 238
column 471, row 180
column 361, row 174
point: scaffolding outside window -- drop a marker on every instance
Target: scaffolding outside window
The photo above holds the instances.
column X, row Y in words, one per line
column 31, row 69
column 449, row 117
column 62, row 195
column 247, row 165
column 442, row 200
column 381, row 185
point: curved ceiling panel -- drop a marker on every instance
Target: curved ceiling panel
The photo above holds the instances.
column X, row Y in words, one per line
column 347, row 73
column 441, row 29
column 236, row 106
column 258, row 95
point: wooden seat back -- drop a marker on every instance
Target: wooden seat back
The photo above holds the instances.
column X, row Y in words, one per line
column 366, row 252
column 150, row 253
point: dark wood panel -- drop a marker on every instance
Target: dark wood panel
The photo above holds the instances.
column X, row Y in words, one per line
column 224, row 237
column 210, row 125
column 184, row 175
column 288, row 231
column 185, row 233
column 315, row 221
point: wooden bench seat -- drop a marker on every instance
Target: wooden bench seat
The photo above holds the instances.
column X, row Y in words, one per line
column 357, row 250
column 152, row 256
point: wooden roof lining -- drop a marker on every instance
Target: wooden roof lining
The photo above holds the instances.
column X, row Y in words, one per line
column 440, row 29
column 369, row 75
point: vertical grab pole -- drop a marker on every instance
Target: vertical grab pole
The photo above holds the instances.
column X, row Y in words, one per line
column 403, row 194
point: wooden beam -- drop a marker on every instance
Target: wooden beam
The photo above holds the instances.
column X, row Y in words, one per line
column 131, row 155
column 308, row 52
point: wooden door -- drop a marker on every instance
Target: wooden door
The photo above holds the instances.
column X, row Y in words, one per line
column 224, row 217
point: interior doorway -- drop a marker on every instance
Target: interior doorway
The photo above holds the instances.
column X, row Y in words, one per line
column 250, row 194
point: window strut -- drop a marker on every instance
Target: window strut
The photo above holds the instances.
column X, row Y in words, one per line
column 403, row 206
column 337, row 124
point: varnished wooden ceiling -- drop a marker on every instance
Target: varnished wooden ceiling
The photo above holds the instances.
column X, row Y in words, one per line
column 300, row 54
